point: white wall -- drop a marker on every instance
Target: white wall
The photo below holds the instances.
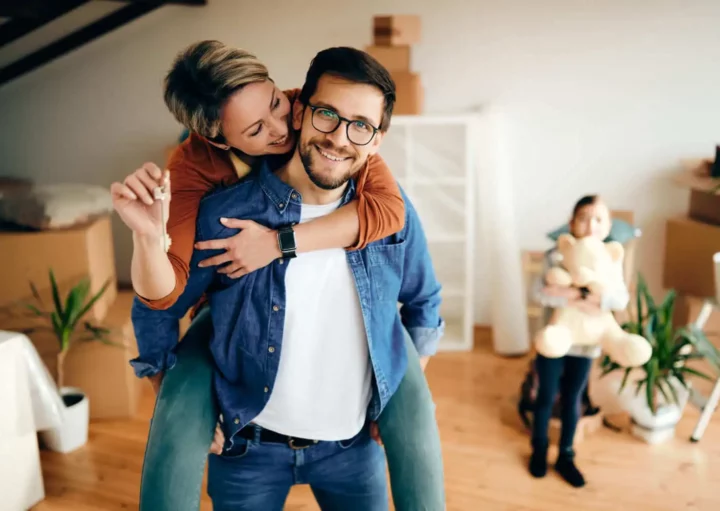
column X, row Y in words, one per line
column 600, row 96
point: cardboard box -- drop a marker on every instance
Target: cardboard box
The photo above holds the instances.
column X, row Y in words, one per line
column 393, row 58
column 396, row 30
column 689, row 249
column 704, row 207
column 409, row 92
column 83, row 251
column 102, row 371
column 687, row 310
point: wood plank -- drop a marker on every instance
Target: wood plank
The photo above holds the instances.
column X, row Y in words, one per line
column 485, row 455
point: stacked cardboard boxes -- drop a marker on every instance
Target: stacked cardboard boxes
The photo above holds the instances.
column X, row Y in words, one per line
column 691, row 241
column 393, row 37
column 84, row 251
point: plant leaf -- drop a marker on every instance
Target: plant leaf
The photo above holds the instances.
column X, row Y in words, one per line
column 625, row 378
column 92, row 301
column 680, row 378
column 638, row 298
column 695, row 372
column 639, row 385
column 56, row 294
column 36, row 311
column 673, row 391
column 662, row 390
column 36, row 294
column 650, row 387
column 57, row 325
column 76, row 299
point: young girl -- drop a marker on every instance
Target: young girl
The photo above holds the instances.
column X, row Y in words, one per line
column 569, row 374
column 236, row 114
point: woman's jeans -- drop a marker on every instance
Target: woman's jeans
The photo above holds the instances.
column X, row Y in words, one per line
column 186, row 413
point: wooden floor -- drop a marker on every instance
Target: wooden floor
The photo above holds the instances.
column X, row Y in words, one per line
column 485, row 454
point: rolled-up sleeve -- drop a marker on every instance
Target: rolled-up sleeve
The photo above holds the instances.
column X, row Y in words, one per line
column 538, row 288
column 420, row 290
column 157, row 331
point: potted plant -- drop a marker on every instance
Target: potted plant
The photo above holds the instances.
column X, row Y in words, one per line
column 664, row 379
column 65, row 320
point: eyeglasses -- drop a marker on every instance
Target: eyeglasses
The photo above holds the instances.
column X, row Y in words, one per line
column 327, row 121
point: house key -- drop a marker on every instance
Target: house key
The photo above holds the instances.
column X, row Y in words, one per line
column 161, row 193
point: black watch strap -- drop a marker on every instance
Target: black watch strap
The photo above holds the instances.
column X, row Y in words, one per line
column 286, row 241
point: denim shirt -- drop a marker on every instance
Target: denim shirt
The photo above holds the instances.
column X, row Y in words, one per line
column 248, row 314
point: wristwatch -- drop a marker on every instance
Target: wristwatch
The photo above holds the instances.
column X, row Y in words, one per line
column 286, row 241
column 584, row 292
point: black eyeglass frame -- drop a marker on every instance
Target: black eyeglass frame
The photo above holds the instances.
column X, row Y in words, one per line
column 341, row 119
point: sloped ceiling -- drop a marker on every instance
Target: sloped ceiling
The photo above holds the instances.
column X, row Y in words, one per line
column 34, row 32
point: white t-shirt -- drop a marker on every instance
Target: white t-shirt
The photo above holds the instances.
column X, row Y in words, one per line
column 323, row 385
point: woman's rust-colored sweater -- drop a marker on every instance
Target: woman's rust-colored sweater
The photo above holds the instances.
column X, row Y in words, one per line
column 196, row 167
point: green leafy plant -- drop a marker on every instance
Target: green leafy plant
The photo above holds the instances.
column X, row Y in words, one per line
column 65, row 317
column 672, row 348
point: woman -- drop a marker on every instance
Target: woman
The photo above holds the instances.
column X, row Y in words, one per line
column 569, row 374
column 236, row 114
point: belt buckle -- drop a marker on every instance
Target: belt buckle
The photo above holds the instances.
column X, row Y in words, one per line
column 292, row 445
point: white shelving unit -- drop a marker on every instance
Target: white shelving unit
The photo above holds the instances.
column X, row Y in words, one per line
column 434, row 159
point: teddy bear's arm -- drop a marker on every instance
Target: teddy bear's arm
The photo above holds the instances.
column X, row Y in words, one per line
column 558, row 277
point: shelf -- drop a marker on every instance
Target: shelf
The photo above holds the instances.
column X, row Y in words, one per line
column 434, row 159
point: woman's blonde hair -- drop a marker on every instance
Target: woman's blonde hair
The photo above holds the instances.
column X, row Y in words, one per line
column 202, row 78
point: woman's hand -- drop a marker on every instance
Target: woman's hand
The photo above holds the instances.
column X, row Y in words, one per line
column 254, row 247
column 134, row 200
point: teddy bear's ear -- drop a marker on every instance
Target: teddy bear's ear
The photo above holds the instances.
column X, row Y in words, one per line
column 566, row 241
column 615, row 249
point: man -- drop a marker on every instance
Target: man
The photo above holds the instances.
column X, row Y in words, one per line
column 309, row 349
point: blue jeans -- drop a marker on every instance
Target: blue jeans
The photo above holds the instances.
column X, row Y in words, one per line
column 344, row 476
column 186, row 414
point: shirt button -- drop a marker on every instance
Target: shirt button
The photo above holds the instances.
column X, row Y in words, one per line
column 236, row 421
column 276, row 308
column 282, row 204
column 271, row 349
column 282, row 261
column 267, row 390
column 294, row 196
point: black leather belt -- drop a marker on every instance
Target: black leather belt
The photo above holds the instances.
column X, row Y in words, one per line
column 248, row 433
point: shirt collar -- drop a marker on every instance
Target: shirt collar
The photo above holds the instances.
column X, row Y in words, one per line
column 281, row 194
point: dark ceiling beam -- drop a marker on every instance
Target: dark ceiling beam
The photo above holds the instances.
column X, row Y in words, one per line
column 18, row 27
column 41, row 8
column 175, row 2
column 28, row 9
column 78, row 38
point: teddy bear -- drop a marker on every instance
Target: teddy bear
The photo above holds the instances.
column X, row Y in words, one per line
column 596, row 265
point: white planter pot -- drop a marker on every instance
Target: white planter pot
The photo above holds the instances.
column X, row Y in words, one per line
column 660, row 426
column 73, row 431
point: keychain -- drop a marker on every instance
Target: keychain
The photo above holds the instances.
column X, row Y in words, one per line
column 161, row 193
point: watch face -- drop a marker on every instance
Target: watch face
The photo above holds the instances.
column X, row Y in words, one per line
column 287, row 240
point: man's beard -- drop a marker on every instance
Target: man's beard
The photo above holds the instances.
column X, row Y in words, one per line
column 326, row 182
